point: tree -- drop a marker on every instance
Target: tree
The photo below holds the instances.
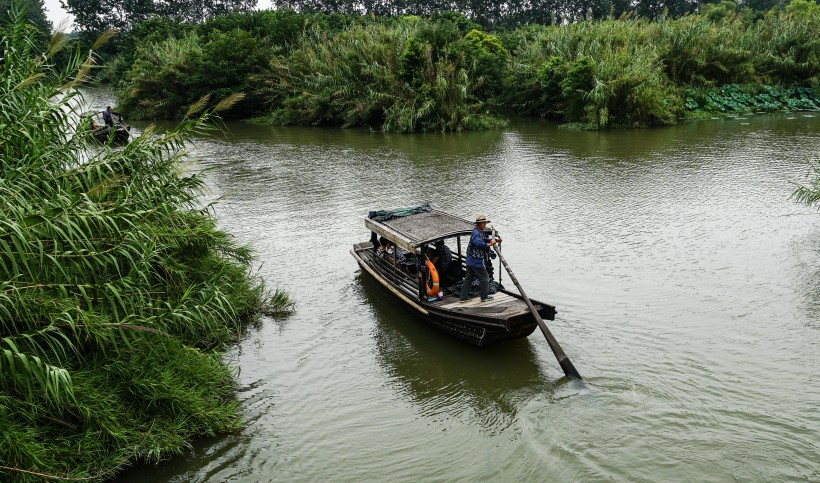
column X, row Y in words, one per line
column 95, row 16
column 654, row 9
column 34, row 13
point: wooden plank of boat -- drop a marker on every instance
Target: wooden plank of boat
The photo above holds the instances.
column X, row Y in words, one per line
column 387, row 285
column 503, row 303
column 468, row 314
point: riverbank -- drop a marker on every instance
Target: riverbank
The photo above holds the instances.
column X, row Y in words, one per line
column 446, row 73
column 117, row 291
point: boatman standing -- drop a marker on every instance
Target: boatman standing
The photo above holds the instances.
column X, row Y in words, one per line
column 477, row 251
column 108, row 118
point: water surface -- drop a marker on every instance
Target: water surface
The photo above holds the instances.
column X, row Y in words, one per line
column 685, row 279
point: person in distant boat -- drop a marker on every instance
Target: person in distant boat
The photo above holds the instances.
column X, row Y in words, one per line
column 477, row 252
column 108, row 117
column 93, row 124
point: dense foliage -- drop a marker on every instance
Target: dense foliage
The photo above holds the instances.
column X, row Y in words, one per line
column 445, row 73
column 35, row 15
column 96, row 16
column 512, row 13
column 93, row 17
column 165, row 65
column 116, row 288
column 409, row 76
column 637, row 72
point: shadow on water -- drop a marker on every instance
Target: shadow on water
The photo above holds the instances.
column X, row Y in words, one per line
column 443, row 374
column 432, row 145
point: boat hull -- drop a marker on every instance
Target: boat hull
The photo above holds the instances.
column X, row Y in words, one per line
column 103, row 134
column 466, row 323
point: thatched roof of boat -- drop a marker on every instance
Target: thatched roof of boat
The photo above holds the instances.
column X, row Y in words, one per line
column 412, row 231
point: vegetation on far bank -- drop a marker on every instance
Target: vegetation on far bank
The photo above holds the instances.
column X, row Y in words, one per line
column 446, row 73
column 409, row 67
column 116, row 288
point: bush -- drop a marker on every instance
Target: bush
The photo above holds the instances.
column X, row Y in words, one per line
column 484, row 55
column 168, row 77
column 396, row 77
column 117, row 288
column 444, row 73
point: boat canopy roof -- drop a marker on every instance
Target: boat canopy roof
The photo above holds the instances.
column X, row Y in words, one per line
column 413, row 230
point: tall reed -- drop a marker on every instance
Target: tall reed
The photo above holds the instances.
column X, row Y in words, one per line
column 355, row 78
column 441, row 73
column 115, row 286
column 640, row 70
column 626, row 85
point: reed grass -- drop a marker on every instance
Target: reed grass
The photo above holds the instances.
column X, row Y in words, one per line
column 408, row 73
column 356, row 78
column 809, row 194
column 642, row 69
column 116, row 288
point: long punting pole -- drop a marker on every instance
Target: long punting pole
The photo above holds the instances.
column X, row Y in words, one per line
column 563, row 360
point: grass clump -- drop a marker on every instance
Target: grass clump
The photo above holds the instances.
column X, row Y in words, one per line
column 116, row 288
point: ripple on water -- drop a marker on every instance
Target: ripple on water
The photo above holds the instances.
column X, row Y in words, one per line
column 683, row 275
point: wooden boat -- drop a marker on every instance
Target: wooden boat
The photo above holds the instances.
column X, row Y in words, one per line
column 504, row 318
column 117, row 134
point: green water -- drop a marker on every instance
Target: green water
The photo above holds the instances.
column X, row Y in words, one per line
column 685, row 279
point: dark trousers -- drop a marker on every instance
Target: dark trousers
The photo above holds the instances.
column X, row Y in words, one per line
column 483, row 282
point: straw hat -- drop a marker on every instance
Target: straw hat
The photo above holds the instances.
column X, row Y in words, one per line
column 481, row 219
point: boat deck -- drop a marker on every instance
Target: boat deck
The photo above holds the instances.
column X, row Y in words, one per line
column 502, row 304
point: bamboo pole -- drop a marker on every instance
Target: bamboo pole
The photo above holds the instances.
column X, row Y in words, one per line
column 563, row 360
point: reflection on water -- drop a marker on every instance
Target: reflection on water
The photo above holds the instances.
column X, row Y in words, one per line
column 684, row 277
column 447, row 376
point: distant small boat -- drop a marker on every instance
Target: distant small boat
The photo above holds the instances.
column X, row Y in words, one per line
column 504, row 318
column 117, row 134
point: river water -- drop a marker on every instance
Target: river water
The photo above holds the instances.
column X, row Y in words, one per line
column 686, row 283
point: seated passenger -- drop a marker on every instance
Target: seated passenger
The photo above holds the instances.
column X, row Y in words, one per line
column 387, row 249
column 434, row 256
column 384, row 246
column 448, row 271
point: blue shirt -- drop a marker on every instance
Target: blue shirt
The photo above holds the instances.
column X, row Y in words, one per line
column 477, row 249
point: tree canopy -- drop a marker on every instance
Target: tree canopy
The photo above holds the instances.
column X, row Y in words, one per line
column 33, row 12
column 95, row 16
